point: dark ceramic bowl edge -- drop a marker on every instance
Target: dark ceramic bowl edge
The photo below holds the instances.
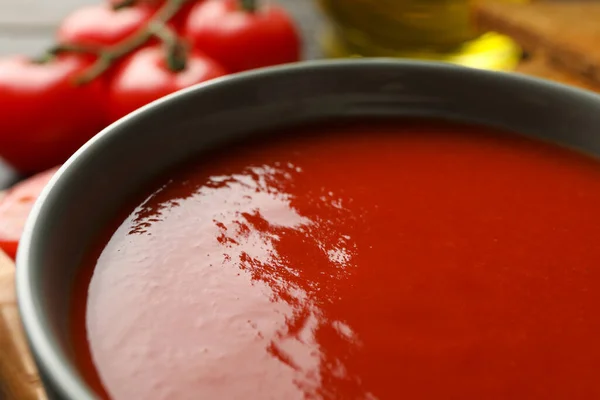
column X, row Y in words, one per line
column 57, row 369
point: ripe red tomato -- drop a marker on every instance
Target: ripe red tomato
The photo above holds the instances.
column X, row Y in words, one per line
column 144, row 77
column 102, row 25
column 45, row 116
column 240, row 39
column 15, row 207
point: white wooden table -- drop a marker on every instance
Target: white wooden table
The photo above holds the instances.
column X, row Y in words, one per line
column 27, row 26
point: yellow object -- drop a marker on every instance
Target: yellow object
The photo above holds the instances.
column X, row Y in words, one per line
column 440, row 30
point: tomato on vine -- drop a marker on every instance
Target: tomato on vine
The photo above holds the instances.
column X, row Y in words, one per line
column 177, row 21
column 149, row 74
column 102, row 24
column 241, row 35
column 47, row 116
column 108, row 64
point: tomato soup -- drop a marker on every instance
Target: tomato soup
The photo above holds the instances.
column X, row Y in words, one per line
column 373, row 261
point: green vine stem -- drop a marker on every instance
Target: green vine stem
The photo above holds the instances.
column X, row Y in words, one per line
column 107, row 57
column 54, row 51
column 69, row 48
column 124, row 4
column 249, row 5
column 176, row 48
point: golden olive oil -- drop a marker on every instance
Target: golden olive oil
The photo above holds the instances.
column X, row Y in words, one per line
column 427, row 29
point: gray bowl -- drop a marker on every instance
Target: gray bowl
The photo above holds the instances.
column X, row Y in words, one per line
column 90, row 188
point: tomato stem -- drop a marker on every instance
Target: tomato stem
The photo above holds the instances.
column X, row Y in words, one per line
column 54, row 51
column 249, row 5
column 107, row 57
column 175, row 47
column 43, row 59
column 69, row 48
column 124, row 4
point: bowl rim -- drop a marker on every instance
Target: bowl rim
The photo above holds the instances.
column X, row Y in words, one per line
column 51, row 361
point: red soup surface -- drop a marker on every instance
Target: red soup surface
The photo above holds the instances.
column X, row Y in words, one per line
column 377, row 261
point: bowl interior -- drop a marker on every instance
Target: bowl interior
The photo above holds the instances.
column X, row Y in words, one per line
column 93, row 185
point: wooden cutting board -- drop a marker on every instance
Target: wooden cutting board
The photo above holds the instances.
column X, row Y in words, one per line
column 18, row 375
column 563, row 37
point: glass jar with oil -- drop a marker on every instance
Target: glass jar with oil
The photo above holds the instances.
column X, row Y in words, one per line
column 425, row 29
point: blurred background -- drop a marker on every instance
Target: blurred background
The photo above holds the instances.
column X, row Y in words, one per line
column 28, row 26
column 552, row 39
